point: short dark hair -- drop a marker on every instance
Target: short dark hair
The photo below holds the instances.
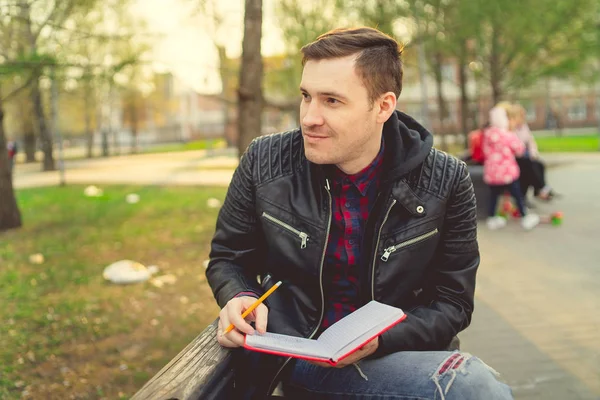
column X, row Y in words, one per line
column 379, row 62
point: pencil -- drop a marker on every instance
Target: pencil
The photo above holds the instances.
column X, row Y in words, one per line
column 253, row 306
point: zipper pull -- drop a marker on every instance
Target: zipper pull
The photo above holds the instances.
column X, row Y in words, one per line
column 304, row 238
column 386, row 253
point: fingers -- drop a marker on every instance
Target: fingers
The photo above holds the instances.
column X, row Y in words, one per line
column 235, row 308
column 261, row 315
column 232, row 314
column 230, row 339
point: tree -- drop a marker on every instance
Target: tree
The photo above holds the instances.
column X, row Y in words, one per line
column 10, row 216
column 250, row 101
column 519, row 43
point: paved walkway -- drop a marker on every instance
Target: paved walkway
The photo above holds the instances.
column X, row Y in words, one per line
column 537, row 316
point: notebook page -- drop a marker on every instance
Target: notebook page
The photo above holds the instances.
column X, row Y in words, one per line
column 360, row 340
column 287, row 344
column 358, row 324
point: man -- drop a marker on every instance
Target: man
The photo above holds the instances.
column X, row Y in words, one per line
column 354, row 206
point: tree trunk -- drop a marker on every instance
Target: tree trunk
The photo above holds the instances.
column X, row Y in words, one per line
column 133, row 113
column 465, row 112
column 36, row 95
column 495, row 66
column 250, row 91
column 44, row 132
column 27, row 126
column 442, row 112
column 225, row 93
column 89, row 132
column 10, row 216
column 29, row 146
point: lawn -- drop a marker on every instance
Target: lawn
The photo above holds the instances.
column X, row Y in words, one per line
column 585, row 143
column 65, row 332
column 210, row 144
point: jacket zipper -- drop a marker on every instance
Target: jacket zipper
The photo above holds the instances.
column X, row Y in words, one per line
column 327, row 187
column 387, row 214
column 391, row 249
column 302, row 235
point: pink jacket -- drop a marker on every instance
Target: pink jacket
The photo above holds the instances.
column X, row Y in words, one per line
column 500, row 147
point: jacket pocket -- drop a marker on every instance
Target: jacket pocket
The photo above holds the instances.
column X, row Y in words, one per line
column 303, row 236
column 389, row 250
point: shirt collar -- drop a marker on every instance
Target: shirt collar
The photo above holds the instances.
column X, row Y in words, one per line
column 366, row 176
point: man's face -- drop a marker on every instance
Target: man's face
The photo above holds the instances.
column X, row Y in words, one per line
column 339, row 123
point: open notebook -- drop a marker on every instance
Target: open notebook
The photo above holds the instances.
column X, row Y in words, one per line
column 336, row 342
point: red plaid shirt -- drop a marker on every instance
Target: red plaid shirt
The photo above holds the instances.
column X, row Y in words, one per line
column 353, row 197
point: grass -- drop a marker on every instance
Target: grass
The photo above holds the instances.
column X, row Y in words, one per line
column 195, row 145
column 65, row 332
column 587, row 143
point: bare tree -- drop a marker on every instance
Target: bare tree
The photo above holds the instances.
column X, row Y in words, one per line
column 250, row 99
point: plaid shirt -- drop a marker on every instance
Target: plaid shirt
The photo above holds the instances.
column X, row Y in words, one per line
column 353, row 197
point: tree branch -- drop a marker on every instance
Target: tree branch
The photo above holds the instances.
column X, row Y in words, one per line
column 18, row 90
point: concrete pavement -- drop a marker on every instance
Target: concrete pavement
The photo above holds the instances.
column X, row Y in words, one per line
column 537, row 315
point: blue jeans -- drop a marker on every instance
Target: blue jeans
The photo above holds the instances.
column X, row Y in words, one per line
column 434, row 375
column 515, row 191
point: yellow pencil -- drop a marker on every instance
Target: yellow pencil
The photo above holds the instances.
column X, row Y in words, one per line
column 253, row 306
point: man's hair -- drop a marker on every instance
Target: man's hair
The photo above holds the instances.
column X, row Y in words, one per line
column 378, row 62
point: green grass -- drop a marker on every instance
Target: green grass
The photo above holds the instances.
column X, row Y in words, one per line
column 195, row 145
column 586, row 143
column 64, row 330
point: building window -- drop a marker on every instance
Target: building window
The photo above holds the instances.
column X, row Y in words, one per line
column 577, row 110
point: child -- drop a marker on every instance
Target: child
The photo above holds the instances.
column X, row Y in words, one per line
column 500, row 169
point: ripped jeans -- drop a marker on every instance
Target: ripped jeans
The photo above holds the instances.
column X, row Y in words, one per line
column 434, row 375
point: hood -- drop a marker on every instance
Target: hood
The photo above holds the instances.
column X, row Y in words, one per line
column 407, row 144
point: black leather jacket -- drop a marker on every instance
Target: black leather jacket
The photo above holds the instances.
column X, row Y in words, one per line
column 420, row 241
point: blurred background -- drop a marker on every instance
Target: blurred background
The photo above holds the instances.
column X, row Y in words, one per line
column 122, row 122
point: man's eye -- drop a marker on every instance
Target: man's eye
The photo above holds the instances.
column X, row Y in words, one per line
column 306, row 96
column 331, row 100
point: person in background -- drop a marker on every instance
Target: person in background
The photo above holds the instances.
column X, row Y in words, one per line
column 500, row 169
column 12, row 154
column 531, row 158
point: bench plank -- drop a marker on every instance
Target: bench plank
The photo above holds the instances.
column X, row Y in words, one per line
column 203, row 370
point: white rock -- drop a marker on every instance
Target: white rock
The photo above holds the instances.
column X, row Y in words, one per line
column 37, row 258
column 213, row 203
column 93, row 191
column 132, row 198
column 127, row 271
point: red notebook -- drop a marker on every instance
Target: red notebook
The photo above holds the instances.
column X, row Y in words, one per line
column 335, row 343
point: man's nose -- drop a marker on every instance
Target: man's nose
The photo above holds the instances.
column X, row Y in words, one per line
column 313, row 115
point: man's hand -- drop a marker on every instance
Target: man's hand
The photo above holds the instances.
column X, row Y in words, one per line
column 232, row 314
column 358, row 355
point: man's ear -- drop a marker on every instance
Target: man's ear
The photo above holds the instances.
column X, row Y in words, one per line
column 386, row 106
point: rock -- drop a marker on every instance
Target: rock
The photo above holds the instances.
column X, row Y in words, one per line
column 213, row 203
column 37, row 258
column 160, row 281
column 132, row 198
column 127, row 271
column 93, row 191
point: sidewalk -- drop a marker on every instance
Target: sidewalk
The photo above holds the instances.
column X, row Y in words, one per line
column 178, row 168
column 537, row 310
